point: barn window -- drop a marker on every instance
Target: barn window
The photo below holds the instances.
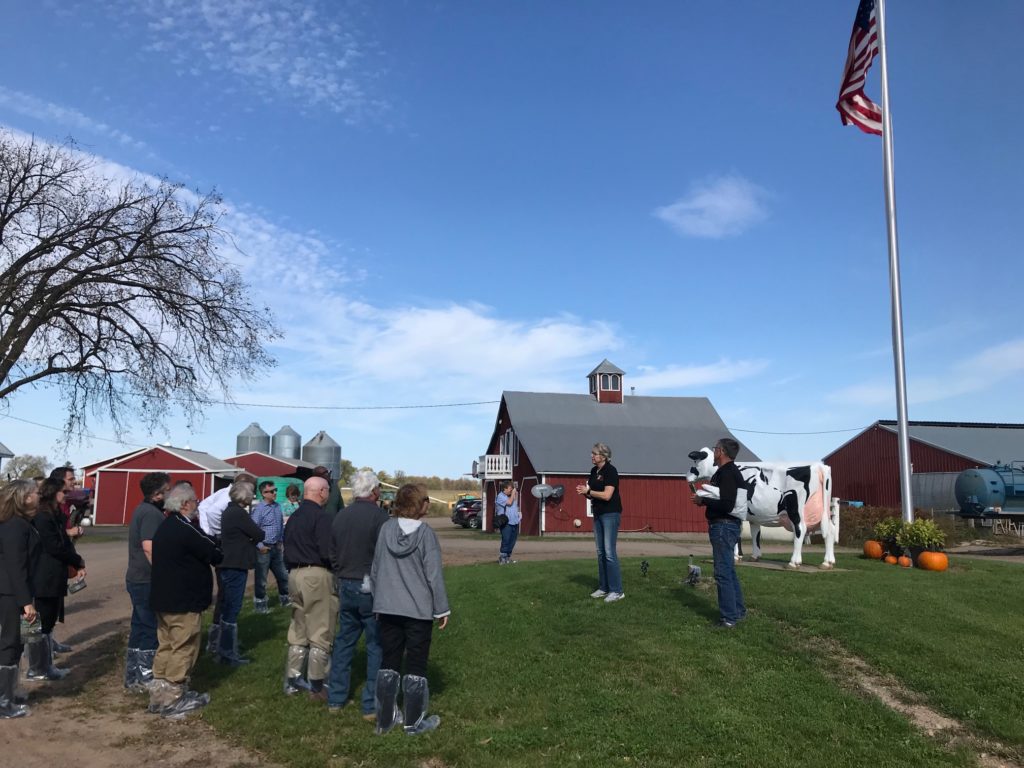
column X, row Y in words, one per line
column 593, row 385
column 605, row 381
column 615, row 382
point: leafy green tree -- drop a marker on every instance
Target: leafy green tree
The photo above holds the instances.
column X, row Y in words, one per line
column 27, row 466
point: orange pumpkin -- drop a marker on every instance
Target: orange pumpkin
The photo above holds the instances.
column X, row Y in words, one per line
column 873, row 549
column 890, row 559
column 933, row 561
column 905, row 561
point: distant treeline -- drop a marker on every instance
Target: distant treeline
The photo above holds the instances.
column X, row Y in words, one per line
column 433, row 482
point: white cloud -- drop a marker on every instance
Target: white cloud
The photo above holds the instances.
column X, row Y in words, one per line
column 64, row 117
column 720, row 207
column 684, row 377
column 312, row 54
column 978, row 373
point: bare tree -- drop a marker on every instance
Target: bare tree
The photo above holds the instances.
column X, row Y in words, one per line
column 116, row 291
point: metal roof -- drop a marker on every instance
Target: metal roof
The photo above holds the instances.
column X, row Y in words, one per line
column 607, row 367
column 647, row 435
column 5, row 452
column 985, row 443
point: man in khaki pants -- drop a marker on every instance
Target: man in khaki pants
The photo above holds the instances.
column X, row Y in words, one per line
column 181, row 589
column 307, row 554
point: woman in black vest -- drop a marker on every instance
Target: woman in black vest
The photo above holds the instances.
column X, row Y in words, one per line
column 239, row 536
column 19, row 554
column 50, row 580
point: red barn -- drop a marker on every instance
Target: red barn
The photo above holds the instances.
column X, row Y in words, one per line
column 266, row 465
column 546, row 438
column 116, row 480
column 867, row 467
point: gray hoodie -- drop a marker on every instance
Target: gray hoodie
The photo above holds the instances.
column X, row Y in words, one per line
column 406, row 572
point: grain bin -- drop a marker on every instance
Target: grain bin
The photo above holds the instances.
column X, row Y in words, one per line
column 252, row 438
column 323, row 450
column 286, row 443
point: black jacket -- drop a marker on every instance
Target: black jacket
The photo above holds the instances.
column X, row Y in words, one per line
column 239, row 536
column 307, row 537
column 182, row 581
column 58, row 552
column 729, row 482
column 19, row 555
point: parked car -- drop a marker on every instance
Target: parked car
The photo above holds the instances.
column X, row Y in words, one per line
column 467, row 513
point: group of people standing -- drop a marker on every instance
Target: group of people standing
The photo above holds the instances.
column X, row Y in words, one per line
column 344, row 574
column 37, row 560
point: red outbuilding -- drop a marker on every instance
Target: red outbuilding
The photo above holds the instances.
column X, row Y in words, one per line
column 266, row 465
column 115, row 481
column 867, row 467
column 543, row 438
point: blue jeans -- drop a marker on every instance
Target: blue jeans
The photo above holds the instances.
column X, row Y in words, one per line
column 724, row 536
column 143, row 631
column 232, row 580
column 355, row 617
column 272, row 560
column 606, row 533
column 509, row 536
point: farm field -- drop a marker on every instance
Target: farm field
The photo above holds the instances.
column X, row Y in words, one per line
column 869, row 665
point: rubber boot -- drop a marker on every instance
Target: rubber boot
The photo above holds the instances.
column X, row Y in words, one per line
column 144, row 666
column 8, row 682
column 261, row 605
column 386, row 700
column 213, row 640
column 131, row 670
column 229, row 645
column 40, row 662
column 415, row 700
column 184, row 701
column 161, row 694
column 295, row 670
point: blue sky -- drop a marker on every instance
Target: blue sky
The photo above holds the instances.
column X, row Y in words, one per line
column 447, row 200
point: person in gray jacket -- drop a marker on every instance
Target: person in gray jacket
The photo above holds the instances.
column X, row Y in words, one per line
column 408, row 596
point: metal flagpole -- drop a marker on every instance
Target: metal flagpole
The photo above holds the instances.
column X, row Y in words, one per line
column 894, row 278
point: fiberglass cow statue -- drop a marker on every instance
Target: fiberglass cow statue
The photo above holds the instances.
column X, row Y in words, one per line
column 798, row 498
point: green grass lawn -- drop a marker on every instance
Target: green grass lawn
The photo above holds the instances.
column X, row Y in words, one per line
column 531, row 672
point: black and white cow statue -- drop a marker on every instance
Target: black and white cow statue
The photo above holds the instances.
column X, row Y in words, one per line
column 798, row 498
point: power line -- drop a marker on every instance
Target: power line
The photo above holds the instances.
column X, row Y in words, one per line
column 60, row 429
column 823, row 432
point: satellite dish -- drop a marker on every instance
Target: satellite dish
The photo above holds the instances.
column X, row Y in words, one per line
column 557, row 491
column 541, row 490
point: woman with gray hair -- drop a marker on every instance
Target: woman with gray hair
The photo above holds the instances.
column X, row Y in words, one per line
column 602, row 488
column 239, row 537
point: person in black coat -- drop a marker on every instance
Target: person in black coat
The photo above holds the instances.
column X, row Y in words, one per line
column 239, row 537
column 50, row 581
column 19, row 554
column 181, row 588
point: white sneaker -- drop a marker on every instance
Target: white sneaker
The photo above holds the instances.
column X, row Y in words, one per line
column 598, row 593
column 613, row 596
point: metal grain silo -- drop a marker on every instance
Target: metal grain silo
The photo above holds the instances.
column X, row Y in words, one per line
column 252, row 438
column 286, row 443
column 323, row 450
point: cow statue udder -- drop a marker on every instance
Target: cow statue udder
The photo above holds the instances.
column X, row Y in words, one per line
column 798, row 498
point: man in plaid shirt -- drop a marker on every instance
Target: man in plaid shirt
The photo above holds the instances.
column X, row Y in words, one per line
column 270, row 553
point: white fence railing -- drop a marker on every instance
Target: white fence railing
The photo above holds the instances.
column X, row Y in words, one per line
column 494, row 467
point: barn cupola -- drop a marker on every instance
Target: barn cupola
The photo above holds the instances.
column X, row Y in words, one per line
column 606, row 382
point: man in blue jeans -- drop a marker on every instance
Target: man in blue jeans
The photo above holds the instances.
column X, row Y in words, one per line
column 507, row 503
column 353, row 543
column 723, row 515
column 270, row 552
column 142, row 640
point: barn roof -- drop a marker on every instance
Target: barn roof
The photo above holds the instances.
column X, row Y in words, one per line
column 282, row 459
column 647, row 435
column 985, row 443
column 199, row 458
column 607, row 367
column 5, row 452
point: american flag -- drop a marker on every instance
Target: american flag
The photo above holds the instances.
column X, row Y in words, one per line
column 854, row 107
